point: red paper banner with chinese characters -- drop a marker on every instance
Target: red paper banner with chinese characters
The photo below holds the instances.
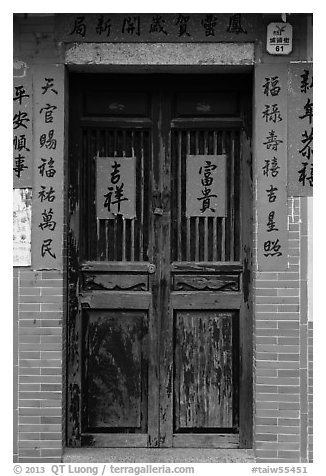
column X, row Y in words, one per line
column 115, row 187
column 271, row 166
column 22, row 131
column 300, row 105
column 47, row 216
column 206, row 186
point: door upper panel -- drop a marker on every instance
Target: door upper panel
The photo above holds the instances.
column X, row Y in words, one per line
column 116, row 238
column 205, row 238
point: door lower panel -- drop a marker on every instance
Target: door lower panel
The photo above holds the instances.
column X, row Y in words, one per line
column 205, row 380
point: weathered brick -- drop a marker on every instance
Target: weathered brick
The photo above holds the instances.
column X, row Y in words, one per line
column 278, row 397
column 289, row 324
column 288, row 422
column 52, row 292
column 40, row 444
column 51, row 387
column 265, row 292
column 266, row 373
column 52, row 307
column 40, row 395
column 50, row 354
column 284, row 284
column 266, row 445
column 50, row 283
column 266, row 340
column 287, row 276
column 277, row 364
column 277, row 300
column 289, row 454
column 288, row 292
column 32, row 453
column 260, row 453
column 277, row 381
column 40, row 412
column 40, row 460
column 265, row 437
column 277, row 348
column 40, row 428
column 47, row 452
column 285, row 430
column 289, row 438
column 266, row 421
column 27, row 291
column 29, row 307
column 51, row 403
column 44, row 379
column 51, row 420
column 266, row 356
column 287, row 389
column 289, row 357
column 287, row 308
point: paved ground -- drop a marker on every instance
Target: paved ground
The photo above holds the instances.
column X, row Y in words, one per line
column 153, row 455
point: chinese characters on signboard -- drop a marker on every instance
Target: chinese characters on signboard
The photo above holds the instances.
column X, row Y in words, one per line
column 279, row 38
column 167, row 27
column 271, row 163
column 22, row 210
column 22, row 131
column 206, row 186
column 300, row 130
column 48, row 168
column 115, row 187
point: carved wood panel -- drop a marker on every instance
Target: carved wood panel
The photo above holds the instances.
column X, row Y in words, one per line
column 116, row 282
column 200, row 282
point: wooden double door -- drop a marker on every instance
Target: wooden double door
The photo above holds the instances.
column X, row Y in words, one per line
column 159, row 320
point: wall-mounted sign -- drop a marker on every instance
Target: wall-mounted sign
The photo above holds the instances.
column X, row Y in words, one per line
column 22, row 211
column 22, row 131
column 300, row 166
column 115, row 187
column 47, row 242
column 279, row 38
column 271, row 166
column 206, row 186
column 157, row 27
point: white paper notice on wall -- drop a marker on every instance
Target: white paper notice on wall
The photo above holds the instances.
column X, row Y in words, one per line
column 206, row 186
column 279, row 38
column 22, row 211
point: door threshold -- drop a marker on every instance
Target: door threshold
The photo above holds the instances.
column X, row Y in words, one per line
column 197, row 440
column 157, row 455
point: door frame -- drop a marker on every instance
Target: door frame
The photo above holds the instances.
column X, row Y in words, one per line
column 160, row 226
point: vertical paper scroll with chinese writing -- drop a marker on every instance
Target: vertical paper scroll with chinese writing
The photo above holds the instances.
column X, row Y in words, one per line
column 206, row 186
column 22, row 131
column 115, row 187
column 22, row 212
column 47, row 231
column 300, row 167
column 271, row 166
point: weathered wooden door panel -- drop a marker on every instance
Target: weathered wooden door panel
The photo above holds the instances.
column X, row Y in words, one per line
column 205, row 362
column 159, row 344
column 115, row 371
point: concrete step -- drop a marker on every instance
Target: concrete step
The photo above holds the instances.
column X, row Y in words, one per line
column 157, row 455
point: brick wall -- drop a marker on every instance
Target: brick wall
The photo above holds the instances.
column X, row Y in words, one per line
column 310, row 392
column 40, row 313
column 280, row 423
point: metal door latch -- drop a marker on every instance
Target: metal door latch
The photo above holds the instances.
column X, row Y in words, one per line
column 151, row 268
column 158, row 211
